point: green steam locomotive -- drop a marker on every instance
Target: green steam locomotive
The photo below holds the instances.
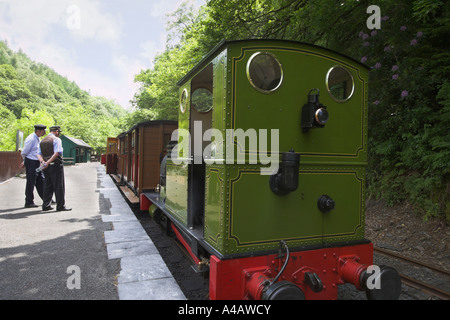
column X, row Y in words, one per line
column 265, row 183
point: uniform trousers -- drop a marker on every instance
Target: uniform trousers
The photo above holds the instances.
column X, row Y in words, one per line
column 33, row 179
column 54, row 182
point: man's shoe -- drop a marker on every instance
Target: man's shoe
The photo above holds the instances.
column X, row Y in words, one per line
column 31, row 205
column 47, row 208
column 64, row 209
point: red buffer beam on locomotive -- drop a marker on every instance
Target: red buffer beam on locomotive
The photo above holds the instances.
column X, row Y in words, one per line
column 310, row 275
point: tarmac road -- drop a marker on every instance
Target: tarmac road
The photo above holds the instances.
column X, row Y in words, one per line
column 56, row 255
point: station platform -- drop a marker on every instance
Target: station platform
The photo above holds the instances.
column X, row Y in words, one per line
column 97, row 251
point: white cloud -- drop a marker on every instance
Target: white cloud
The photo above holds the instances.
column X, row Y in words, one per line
column 54, row 55
column 27, row 24
column 150, row 49
column 59, row 33
column 162, row 7
column 35, row 20
column 34, row 27
column 90, row 21
column 25, row 21
column 97, row 83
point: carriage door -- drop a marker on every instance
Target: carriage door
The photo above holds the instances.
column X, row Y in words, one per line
column 200, row 121
column 136, row 159
column 132, row 158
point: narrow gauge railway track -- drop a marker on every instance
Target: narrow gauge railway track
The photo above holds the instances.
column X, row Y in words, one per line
column 417, row 284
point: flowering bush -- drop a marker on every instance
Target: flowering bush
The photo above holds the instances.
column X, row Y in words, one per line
column 409, row 118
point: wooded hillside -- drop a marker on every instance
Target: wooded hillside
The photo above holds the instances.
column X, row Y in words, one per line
column 31, row 93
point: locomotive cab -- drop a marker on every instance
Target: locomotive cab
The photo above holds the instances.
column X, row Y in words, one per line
column 272, row 149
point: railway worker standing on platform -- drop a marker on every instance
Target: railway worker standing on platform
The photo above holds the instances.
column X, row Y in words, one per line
column 31, row 163
column 50, row 154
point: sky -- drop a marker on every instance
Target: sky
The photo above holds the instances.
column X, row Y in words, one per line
column 99, row 44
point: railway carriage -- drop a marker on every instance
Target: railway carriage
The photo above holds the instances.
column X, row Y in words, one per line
column 141, row 150
column 111, row 156
column 151, row 140
column 266, row 185
column 122, row 156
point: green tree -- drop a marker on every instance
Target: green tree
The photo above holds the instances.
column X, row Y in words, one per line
column 7, row 129
column 7, row 72
column 29, row 118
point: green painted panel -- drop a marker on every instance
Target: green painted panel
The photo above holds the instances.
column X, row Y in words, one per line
column 177, row 172
column 214, row 201
column 259, row 219
column 219, row 91
column 343, row 185
column 305, row 68
column 183, row 118
column 177, row 190
column 259, row 216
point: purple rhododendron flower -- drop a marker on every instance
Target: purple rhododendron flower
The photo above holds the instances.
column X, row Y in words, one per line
column 376, row 102
column 405, row 93
column 395, row 68
column 365, row 36
column 366, row 44
column 373, row 33
column 402, row 28
column 363, row 59
column 419, row 34
column 395, row 77
column 413, row 42
column 377, row 65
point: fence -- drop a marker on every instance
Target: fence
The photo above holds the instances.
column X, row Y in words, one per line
column 9, row 165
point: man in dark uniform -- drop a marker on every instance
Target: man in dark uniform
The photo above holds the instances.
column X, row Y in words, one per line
column 50, row 155
column 31, row 163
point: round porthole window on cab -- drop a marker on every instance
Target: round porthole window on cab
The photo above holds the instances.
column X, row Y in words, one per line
column 340, row 84
column 183, row 101
column 202, row 100
column 264, row 72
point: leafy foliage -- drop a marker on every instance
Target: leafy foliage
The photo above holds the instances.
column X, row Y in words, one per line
column 409, row 120
column 409, row 139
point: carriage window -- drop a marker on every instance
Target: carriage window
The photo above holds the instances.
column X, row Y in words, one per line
column 340, row 84
column 183, row 100
column 264, row 72
column 202, row 100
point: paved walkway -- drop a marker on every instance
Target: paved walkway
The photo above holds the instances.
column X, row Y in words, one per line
column 98, row 251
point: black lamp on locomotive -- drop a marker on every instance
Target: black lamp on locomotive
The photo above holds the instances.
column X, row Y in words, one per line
column 314, row 114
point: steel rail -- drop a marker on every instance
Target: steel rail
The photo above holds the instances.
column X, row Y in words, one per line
column 410, row 260
column 417, row 284
column 427, row 288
